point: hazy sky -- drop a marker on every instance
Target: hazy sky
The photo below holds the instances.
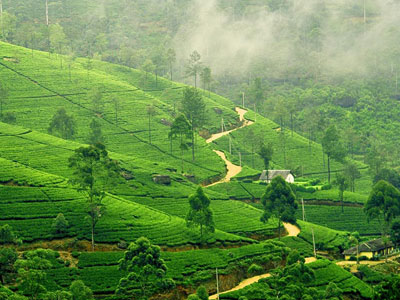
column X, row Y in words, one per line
column 279, row 40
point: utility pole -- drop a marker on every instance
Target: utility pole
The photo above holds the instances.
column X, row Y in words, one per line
column 47, row 13
column 313, row 240
column 222, row 124
column 243, row 99
column 240, row 158
column 1, row 17
column 304, row 214
column 365, row 16
column 47, row 24
column 216, row 273
column 230, row 144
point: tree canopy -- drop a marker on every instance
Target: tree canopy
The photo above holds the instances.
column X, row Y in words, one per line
column 279, row 201
column 200, row 213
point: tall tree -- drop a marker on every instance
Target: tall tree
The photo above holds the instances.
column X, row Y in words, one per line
column 57, row 40
column 159, row 60
column 95, row 133
column 151, row 111
column 116, row 109
column 8, row 26
column 148, row 67
column 8, row 256
column 332, row 147
column 93, row 173
column 3, row 97
column 279, row 201
column 180, row 129
column 200, row 213
column 206, row 78
column 195, row 111
column 341, row 182
column 352, row 173
column 95, row 97
column 171, row 58
column 80, row 291
column 355, row 239
column 63, row 124
column 266, row 152
column 146, row 271
column 194, row 66
column 257, row 93
column 383, row 204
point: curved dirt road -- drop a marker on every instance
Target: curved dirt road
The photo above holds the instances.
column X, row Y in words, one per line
column 232, row 170
column 252, row 280
column 292, row 230
column 241, row 112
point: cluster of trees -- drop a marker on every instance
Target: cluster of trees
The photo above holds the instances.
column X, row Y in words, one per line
column 28, row 274
column 383, row 204
column 191, row 119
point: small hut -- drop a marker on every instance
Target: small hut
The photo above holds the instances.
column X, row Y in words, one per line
column 286, row 174
column 370, row 249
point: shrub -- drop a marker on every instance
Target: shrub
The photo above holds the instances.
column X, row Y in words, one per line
column 9, row 118
column 326, row 187
column 75, row 254
column 60, row 224
column 310, row 190
column 363, row 258
column 202, row 293
column 352, row 258
column 7, row 235
column 314, row 182
column 255, row 269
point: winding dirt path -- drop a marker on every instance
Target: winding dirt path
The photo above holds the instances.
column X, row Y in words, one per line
column 292, row 230
column 232, row 170
column 252, row 280
column 241, row 112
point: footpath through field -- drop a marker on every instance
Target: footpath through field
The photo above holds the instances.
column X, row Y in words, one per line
column 232, row 170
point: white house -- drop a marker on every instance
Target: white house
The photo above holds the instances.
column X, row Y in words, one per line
column 286, row 174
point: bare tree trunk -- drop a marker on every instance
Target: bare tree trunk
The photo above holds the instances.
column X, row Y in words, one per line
column 329, row 169
column 93, row 235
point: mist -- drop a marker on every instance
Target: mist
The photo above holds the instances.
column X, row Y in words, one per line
column 306, row 37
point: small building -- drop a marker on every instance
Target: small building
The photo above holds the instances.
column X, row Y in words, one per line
column 286, row 174
column 370, row 249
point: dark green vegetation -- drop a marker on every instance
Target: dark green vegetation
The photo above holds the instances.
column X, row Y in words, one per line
column 316, row 121
column 310, row 281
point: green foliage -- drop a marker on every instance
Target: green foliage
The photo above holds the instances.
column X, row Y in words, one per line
column 93, row 173
column 7, row 236
column 95, row 135
column 332, row 147
column 266, row 152
column 388, row 289
column 146, row 271
column 9, row 118
column 254, row 269
column 193, row 107
column 63, row 124
column 60, row 224
column 383, row 204
column 80, row 291
column 202, row 293
column 294, row 257
column 8, row 257
column 388, row 175
column 395, row 232
column 279, row 201
column 199, row 213
column 194, row 66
